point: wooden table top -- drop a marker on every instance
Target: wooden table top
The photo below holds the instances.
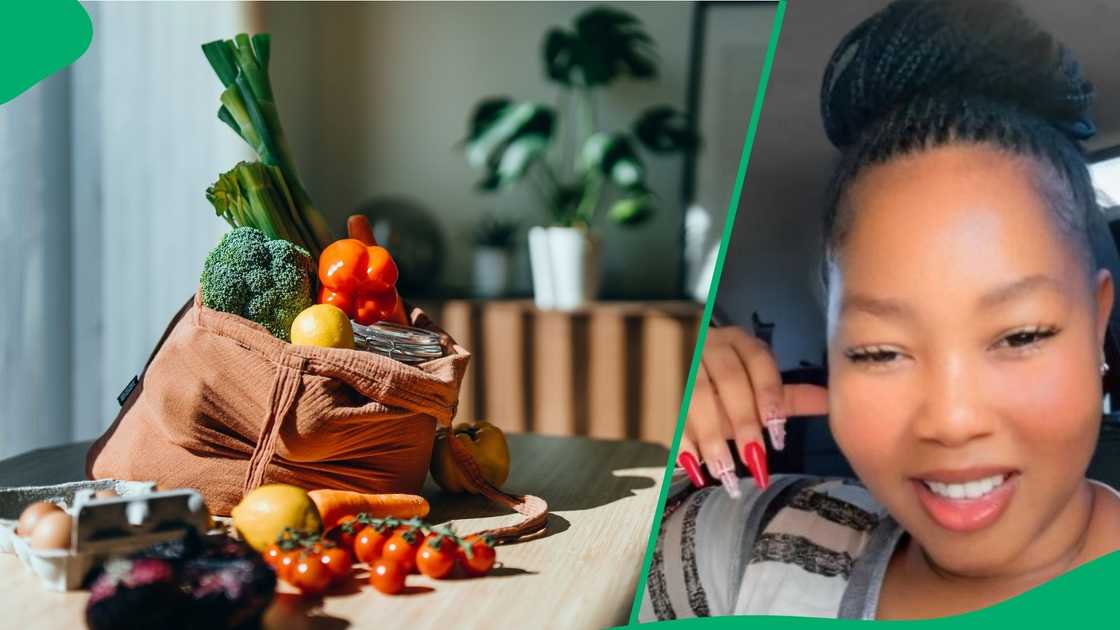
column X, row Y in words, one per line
column 581, row 574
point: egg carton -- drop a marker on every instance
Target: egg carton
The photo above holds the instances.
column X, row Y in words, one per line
column 138, row 518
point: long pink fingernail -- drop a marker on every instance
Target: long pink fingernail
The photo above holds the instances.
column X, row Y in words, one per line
column 776, row 427
column 725, row 472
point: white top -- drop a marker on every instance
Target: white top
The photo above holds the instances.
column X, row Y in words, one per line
column 806, row 546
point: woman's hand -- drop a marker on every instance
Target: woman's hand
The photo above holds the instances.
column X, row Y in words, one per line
column 739, row 391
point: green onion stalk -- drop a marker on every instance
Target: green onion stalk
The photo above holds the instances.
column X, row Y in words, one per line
column 268, row 195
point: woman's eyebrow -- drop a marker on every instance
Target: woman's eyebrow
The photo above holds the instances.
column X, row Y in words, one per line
column 887, row 308
column 1008, row 292
column 883, row 308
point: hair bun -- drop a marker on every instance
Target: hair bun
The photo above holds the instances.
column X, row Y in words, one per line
column 932, row 49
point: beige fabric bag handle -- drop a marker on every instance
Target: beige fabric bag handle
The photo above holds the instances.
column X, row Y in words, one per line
column 534, row 510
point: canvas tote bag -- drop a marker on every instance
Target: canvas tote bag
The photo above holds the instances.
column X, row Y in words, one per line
column 223, row 406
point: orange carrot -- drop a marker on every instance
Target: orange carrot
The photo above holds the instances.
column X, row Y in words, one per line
column 334, row 504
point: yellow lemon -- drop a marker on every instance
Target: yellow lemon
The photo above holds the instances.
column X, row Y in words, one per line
column 323, row 325
column 264, row 513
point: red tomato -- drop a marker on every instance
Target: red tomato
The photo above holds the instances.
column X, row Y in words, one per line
column 387, row 576
column 310, row 575
column 368, row 545
column 343, row 265
column 481, row 559
column 286, row 564
column 400, row 550
column 338, row 563
column 272, row 555
column 346, row 531
column 381, row 271
column 436, row 557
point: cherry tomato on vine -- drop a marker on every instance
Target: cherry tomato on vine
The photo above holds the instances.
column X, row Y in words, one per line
column 338, row 563
column 310, row 575
column 401, row 548
column 481, row 558
column 346, row 531
column 286, row 564
column 436, row 557
column 387, row 576
column 368, row 544
column 272, row 554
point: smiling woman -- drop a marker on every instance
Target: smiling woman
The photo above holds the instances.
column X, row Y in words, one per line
column 966, row 315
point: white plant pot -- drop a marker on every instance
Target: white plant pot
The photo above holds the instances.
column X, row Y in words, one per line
column 565, row 265
column 491, row 272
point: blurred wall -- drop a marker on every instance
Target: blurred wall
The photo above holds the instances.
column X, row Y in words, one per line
column 376, row 96
column 775, row 247
column 36, row 253
column 145, row 144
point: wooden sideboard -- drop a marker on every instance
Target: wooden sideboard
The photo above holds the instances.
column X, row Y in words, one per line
column 610, row 370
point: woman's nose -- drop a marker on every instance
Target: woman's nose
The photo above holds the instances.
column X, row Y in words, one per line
column 953, row 411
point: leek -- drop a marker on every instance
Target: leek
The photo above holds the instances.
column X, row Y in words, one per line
column 273, row 199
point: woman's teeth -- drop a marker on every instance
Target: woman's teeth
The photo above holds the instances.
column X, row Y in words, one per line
column 970, row 490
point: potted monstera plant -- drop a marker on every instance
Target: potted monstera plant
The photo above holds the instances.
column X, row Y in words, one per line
column 580, row 172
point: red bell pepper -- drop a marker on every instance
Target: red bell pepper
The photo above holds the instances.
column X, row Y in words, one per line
column 360, row 278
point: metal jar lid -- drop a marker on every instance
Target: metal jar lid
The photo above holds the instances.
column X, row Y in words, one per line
column 401, row 343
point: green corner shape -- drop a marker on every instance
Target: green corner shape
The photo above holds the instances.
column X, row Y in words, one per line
column 37, row 39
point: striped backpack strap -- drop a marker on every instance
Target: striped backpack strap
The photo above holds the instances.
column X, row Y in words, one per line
column 808, row 543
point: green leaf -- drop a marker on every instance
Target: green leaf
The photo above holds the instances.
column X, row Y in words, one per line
column 627, row 173
column 266, row 147
column 519, row 155
column 501, row 129
column 227, row 118
column 490, row 182
column 251, row 72
column 223, row 194
column 262, row 46
column 232, row 103
column 514, row 122
column 640, row 62
column 612, row 43
column 631, row 210
column 495, row 231
column 485, row 114
column 663, row 129
column 613, row 155
column 559, row 53
column 594, row 148
column 220, row 55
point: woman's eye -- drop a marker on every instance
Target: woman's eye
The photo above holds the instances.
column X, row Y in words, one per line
column 1023, row 338
column 873, row 355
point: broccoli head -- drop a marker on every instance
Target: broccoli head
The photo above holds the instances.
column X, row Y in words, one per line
column 266, row 281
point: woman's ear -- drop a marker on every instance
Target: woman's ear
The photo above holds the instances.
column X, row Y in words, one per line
column 1105, row 295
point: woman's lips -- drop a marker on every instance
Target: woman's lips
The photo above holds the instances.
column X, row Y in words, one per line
column 966, row 514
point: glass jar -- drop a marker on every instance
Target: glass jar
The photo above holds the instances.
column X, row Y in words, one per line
column 401, row 343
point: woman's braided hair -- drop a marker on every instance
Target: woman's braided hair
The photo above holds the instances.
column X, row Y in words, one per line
column 925, row 73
